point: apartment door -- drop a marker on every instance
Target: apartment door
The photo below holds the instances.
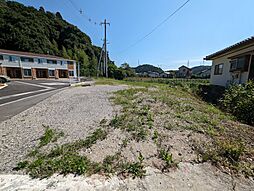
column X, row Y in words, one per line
column 41, row 73
column 251, row 73
column 63, row 74
column 14, row 72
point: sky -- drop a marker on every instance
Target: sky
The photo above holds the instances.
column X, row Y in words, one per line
column 202, row 27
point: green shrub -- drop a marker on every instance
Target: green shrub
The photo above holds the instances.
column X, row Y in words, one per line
column 239, row 100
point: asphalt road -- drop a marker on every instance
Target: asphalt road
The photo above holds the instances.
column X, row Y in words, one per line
column 22, row 94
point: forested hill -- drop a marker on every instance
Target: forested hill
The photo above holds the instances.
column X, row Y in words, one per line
column 147, row 68
column 39, row 31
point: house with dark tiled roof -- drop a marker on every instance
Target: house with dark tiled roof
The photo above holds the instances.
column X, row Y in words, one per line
column 183, row 72
column 27, row 65
column 234, row 64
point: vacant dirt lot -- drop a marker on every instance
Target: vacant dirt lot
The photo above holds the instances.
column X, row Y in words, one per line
column 148, row 133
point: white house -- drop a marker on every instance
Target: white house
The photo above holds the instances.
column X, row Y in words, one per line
column 234, row 64
column 26, row 65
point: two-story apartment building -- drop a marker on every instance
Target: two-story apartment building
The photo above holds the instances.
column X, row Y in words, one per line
column 234, row 64
column 26, row 65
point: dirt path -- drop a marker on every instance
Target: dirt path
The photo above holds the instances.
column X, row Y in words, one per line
column 77, row 112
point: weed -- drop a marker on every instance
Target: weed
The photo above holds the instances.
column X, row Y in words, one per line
column 103, row 121
column 167, row 157
column 47, row 137
column 141, row 134
column 136, row 169
column 155, row 136
column 125, row 143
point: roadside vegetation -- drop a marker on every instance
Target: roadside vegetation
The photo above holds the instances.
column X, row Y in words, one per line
column 239, row 100
column 161, row 125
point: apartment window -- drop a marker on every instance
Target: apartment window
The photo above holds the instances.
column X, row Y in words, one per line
column 51, row 73
column 218, row 70
column 26, row 59
column 71, row 73
column 40, row 61
column 11, row 58
column 27, row 72
column 1, row 57
column 51, row 61
column 70, row 62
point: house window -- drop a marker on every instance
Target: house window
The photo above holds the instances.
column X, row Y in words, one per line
column 61, row 62
column 71, row 73
column 51, row 61
column 240, row 64
column 1, row 57
column 218, row 70
column 70, row 62
column 27, row 72
column 26, row 59
column 51, row 73
column 233, row 65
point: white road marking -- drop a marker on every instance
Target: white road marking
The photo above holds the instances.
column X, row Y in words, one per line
column 36, row 85
column 29, row 97
column 25, row 93
column 54, row 84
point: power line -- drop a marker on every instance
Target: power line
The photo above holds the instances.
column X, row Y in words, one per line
column 81, row 12
column 156, row 27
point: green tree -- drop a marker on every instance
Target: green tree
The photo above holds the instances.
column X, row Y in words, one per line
column 64, row 53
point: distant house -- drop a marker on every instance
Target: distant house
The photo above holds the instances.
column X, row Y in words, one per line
column 183, row 72
column 234, row 64
column 153, row 74
column 164, row 75
column 171, row 73
column 26, row 65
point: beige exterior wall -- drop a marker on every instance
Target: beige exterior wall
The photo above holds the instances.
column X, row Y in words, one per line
column 227, row 77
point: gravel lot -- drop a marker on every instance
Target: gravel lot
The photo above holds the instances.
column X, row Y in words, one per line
column 75, row 111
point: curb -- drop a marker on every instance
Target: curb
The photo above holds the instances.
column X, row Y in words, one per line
column 83, row 84
column 3, row 86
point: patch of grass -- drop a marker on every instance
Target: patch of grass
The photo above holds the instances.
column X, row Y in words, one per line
column 63, row 159
column 21, row 165
column 226, row 151
column 98, row 134
column 49, row 135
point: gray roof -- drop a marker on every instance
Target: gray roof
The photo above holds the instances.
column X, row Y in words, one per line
column 230, row 48
column 30, row 54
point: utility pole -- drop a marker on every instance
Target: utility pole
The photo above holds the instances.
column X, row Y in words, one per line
column 105, row 47
column 78, row 71
column 99, row 69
